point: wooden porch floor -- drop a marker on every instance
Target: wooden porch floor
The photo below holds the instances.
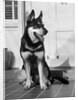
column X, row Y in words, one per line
column 14, row 90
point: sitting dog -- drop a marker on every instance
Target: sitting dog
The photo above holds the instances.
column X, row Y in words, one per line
column 33, row 53
column 35, row 69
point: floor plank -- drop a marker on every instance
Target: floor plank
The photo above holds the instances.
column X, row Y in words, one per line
column 50, row 93
column 66, row 90
column 12, row 88
column 28, row 91
column 9, row 84
column 16, row 94
column 33, row 94
column 73, row 93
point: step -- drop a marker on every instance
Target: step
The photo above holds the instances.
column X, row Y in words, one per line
column 60, row 72
column 63, row 72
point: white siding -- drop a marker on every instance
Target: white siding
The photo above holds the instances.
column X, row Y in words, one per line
column 59, row 20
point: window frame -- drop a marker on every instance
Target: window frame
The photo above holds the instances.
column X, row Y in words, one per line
column 11, row 23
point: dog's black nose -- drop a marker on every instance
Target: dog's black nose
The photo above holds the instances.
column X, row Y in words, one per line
column 45, row 31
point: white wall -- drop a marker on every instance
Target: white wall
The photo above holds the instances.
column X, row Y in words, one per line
column 59, row 20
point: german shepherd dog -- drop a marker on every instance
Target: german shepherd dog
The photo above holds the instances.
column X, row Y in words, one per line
column 35, row 68
column 33, row 53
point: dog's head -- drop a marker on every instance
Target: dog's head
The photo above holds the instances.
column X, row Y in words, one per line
column 35, row 25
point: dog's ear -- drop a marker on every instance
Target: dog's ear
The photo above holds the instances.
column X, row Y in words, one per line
column 31, row 16
column 40, row 16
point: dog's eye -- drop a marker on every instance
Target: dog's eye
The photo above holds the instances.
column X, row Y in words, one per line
column 40, row 24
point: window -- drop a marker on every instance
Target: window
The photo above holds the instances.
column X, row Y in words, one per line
column 11, row 9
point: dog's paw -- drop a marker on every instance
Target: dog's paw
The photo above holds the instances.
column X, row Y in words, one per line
column 27, row 84
column 24, row 82
column 48, row 83
column 43, row 86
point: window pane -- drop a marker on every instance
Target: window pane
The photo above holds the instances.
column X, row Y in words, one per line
column 7, row 2
column 16, row 12
column 8, row 9
column 15, row 9
column 15, row 2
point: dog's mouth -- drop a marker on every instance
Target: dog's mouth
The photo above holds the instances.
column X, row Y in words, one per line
column 38, row 36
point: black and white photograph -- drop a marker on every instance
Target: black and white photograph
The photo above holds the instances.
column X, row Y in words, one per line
column 39, row 52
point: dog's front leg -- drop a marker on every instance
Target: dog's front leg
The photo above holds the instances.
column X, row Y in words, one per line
column 27, row 85
column 40, row 69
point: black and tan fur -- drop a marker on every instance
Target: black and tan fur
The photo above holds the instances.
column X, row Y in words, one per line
column 33, row 53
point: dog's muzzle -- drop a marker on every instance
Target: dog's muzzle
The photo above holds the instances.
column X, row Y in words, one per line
column 38, row 36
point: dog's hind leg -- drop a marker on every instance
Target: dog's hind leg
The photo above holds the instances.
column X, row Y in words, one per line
column 45, row 76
